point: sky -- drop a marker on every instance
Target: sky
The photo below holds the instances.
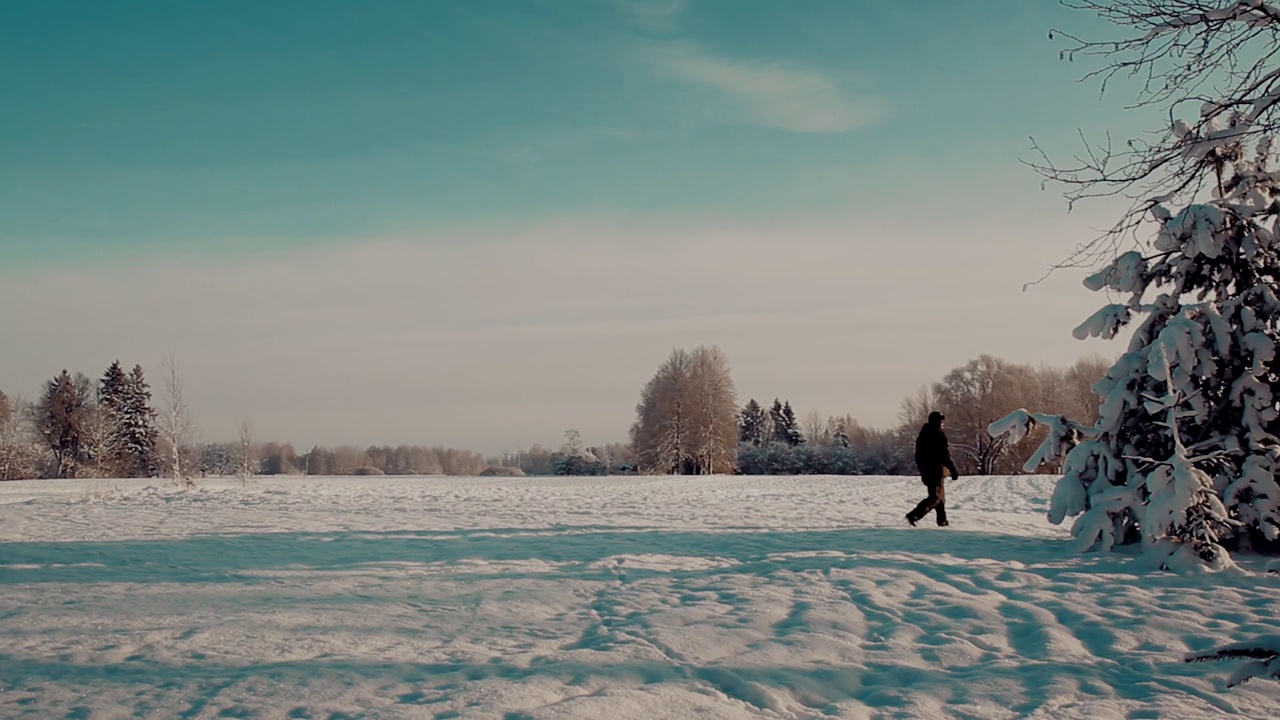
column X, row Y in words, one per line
column 481, row 224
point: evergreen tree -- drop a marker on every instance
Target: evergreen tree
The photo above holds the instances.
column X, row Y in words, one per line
column 1185, row 454
column 753, row 424
column 112, row 409
column 111, row 387
column 138, row 426
column 841, row 437
column 778, row 423
column 785, row 427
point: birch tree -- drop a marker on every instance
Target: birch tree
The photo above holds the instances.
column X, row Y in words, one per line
column 660, row 431
column 19, row 452
column 102, row 442
column 177, row 425
column 686, row 420
column 246, row 456
column 713, row 427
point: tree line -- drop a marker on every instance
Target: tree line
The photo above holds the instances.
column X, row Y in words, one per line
column 686, row 411
column 687, row 422
column 111, row 427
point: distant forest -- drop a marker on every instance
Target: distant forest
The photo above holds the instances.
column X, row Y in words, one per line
column 688, row 421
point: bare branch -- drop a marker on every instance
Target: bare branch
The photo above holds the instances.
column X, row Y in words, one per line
column 1219, row 59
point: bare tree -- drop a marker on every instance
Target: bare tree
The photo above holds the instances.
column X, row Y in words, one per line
column 816, row 430
column 687, row 418
column 102, row 442
column 975, row 395
column 59, row 418
column 662, row 418
column 247, row 456
column 713, row 417
column 1080, row 400
column 19, row 450
column 177, row 424
column 916, row 407
column 1211, row 67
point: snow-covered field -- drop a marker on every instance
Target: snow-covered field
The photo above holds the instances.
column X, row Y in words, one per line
column 722, row 597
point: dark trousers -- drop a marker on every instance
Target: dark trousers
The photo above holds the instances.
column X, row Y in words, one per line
column 937, row 500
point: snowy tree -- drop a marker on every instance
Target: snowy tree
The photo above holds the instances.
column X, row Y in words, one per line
column 662, row 418
column 753, row 424
column 686, row 418
column 574, row 458
column 101, row 441
column 1185, row 452
column 177, row 426
column 839, row 437
column 1262, row 653
column 246, row 454
column 973, row 396
column 108, row 422
column 19, row 452
column 138, row 426
column 713, row 428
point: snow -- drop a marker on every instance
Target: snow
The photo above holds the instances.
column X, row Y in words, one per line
column 669, row 597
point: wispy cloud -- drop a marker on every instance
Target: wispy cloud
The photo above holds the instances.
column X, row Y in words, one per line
column 775, row 94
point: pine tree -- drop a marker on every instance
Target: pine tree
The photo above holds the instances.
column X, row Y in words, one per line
column 778, row 423
column 109, row 425
column 791, row 433
column 1185, row 454
column 841, row 438
column 753, row 424
column 138, row 426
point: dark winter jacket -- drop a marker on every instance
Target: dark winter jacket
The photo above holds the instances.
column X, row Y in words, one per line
column 932, row 453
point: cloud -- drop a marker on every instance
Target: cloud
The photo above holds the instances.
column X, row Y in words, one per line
column 774, row 94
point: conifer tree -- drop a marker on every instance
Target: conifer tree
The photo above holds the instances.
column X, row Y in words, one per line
column 753, row 424
column 841, row 438
column 1186, row 450
column 785, row 428
column 109, row 423
column 138, row 426
column 778, row 423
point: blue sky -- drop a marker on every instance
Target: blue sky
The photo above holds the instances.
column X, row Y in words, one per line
column 236, row 123
column 191, row 139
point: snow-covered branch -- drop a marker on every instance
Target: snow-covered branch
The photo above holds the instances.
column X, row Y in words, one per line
column 1262, row 652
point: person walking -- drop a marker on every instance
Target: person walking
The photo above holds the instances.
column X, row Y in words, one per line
column 932, row 455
